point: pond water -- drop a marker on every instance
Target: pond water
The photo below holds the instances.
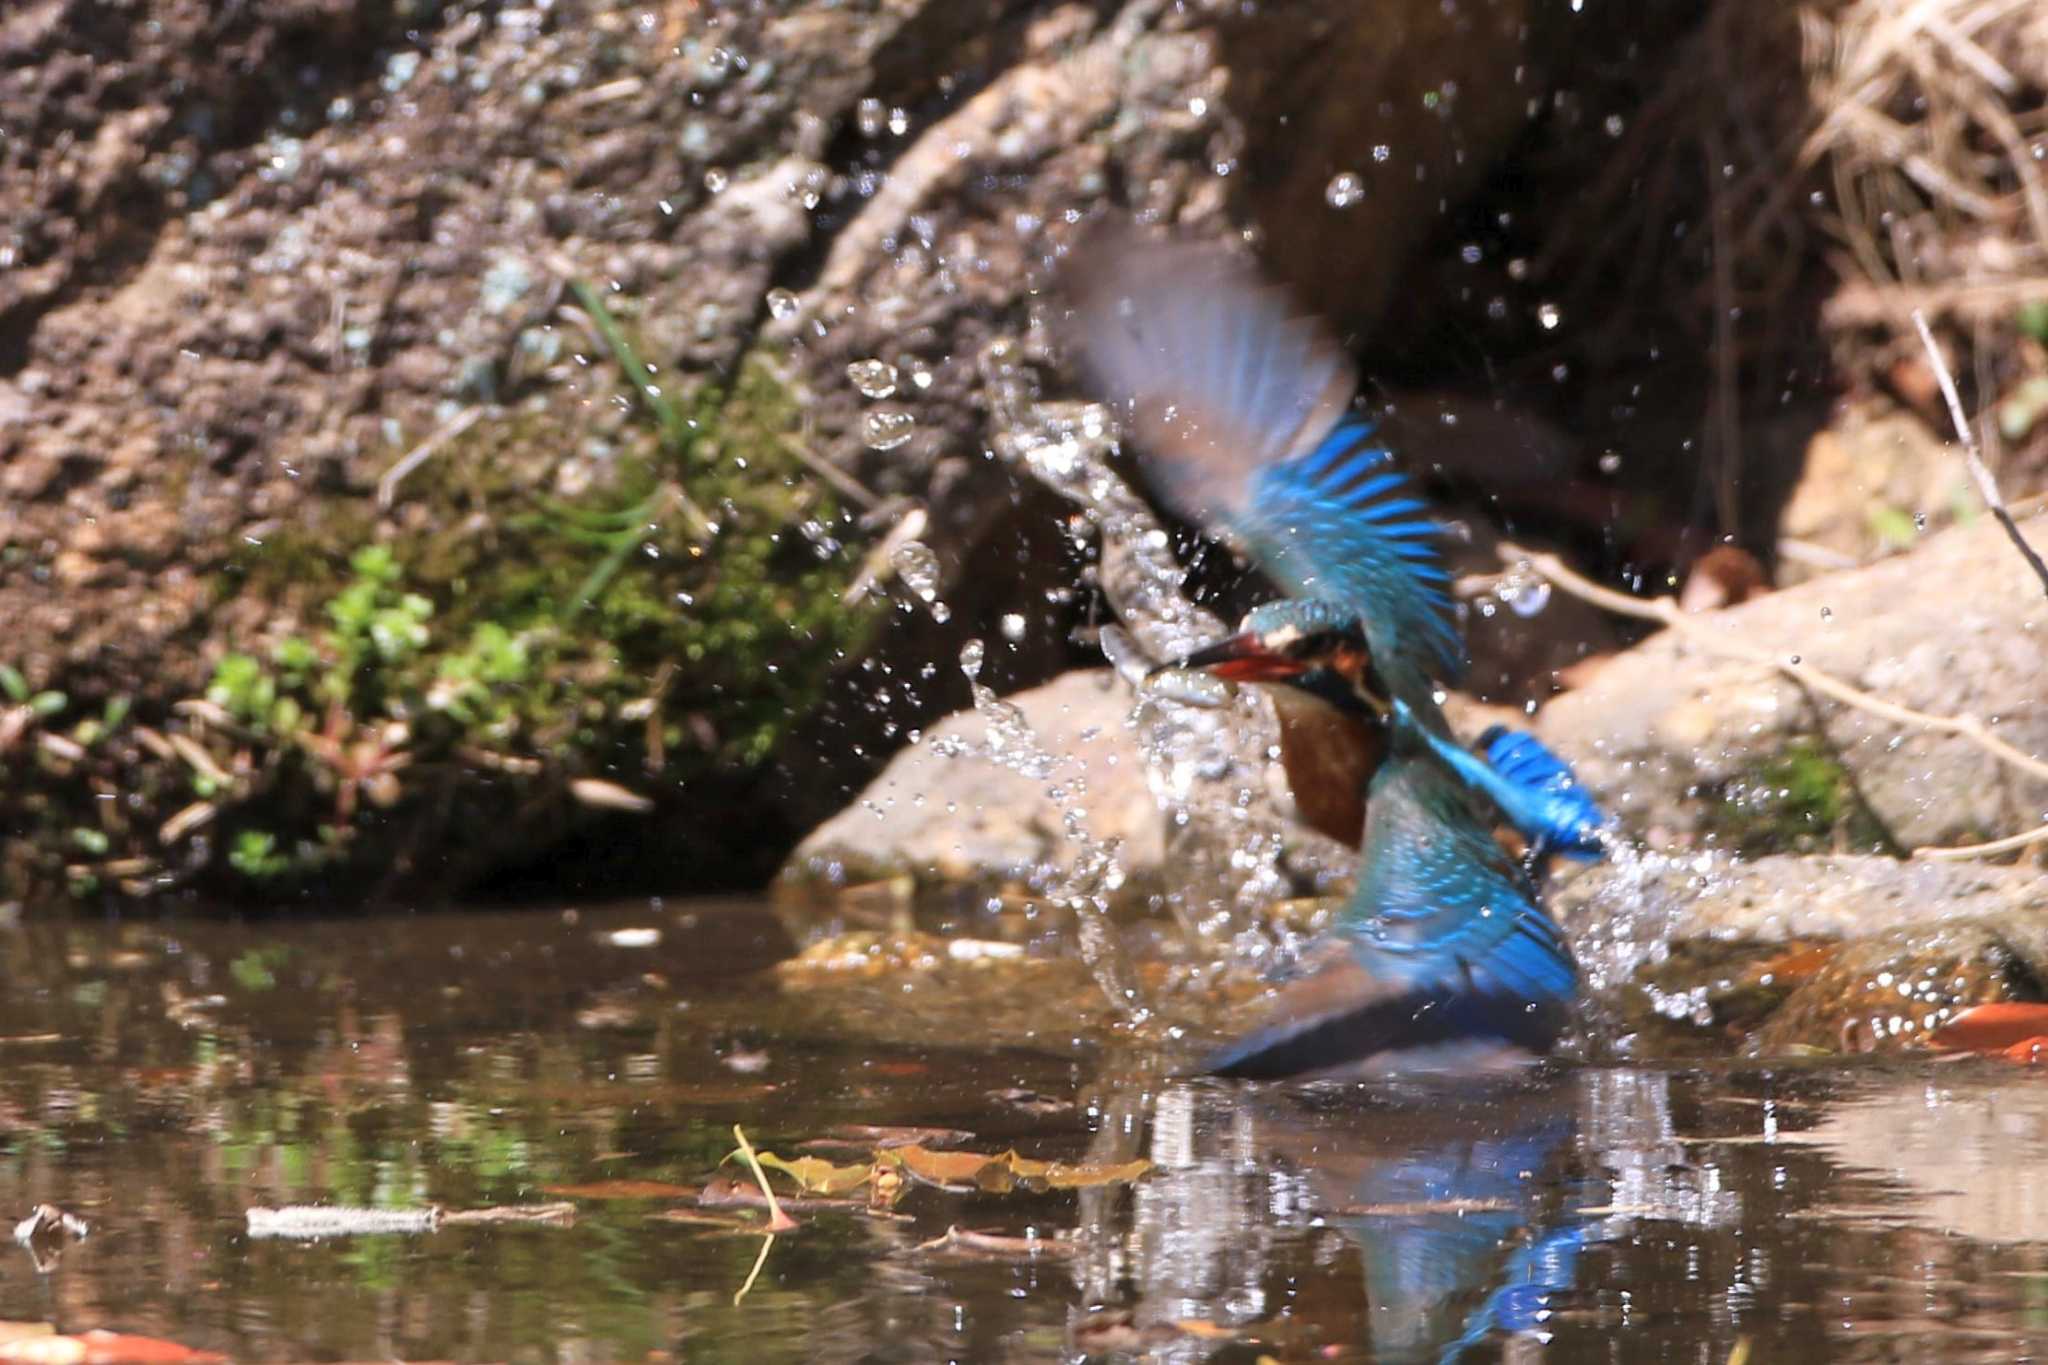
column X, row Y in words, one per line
column 159, row 1080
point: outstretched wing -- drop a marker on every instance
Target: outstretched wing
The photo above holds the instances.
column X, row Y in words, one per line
column 1441, row 958
column 1240, row 406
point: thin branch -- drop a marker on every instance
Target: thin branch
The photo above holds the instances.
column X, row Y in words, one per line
column 2010, row 844
column 387, row 487
column 1665, row 611
column 1987, row 487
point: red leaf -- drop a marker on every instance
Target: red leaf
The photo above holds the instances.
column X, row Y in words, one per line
column 1991, row 1028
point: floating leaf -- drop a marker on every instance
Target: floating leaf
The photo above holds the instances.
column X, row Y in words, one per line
column 623, row 1189
column 954, row 1170
column 1991, row 1028
column 1060, row 1175
column 815, row 1175
column 999, row 1174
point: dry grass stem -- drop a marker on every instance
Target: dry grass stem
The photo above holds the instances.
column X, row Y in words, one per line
column 1987, row 487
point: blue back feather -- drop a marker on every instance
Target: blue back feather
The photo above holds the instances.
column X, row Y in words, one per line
column 1438, row 899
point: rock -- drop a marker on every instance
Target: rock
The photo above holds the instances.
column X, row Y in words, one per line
column 947, row 812
column 1786, row 898
column 1888, row 992
column 1690, row 746
column 1866, row 479
column 1902, row 945
column 243, row 287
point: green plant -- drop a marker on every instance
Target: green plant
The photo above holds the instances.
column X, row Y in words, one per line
column 255, row 855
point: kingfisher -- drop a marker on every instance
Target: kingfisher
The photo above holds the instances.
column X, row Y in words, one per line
column 1242, row 408
column 1332, row 707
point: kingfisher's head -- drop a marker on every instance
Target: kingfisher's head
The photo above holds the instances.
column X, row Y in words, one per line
column 1314, row 646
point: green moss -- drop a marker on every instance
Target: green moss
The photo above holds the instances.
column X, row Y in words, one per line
column 424, row 684
column 1802, row 800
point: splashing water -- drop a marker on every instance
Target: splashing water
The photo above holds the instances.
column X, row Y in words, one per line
column 1207, row 764
column 918, row 567
column 1643, row 901
column 1095, row 873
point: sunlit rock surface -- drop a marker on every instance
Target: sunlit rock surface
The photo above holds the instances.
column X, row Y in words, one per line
column 945, row 810
column 1680, row 742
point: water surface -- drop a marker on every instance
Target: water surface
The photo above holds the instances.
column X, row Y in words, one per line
column 157, row 1080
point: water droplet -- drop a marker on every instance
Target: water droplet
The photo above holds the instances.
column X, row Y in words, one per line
column 874, row 378
column 918, row 567
column 1610, row 462
column 1013, row 626
column 1344, row 190
column 1827, row 613
column 1615, row 125
column 887, row 428
column 1382, row 152
column 1525, row 596
column 971, row 655
column 1549, row 315
column 871, row 116
column 899, row 121
column 782, row 304
column 715, row 180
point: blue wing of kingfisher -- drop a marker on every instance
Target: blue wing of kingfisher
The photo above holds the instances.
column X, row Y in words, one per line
column 1242, row 410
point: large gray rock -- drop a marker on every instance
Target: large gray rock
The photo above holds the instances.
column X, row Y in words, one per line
column 1679, row 740
column 948, row 810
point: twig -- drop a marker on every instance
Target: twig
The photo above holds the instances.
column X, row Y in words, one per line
column 778, row 1221
column 767, row 1245
column 2012, row 843
column 1665, row 610
column 849, row 487
column 387, row 487
column 1987, row 487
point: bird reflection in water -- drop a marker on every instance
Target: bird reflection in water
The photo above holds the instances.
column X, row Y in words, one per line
column 1460, row 1202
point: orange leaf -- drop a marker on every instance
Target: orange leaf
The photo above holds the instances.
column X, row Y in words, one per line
column 940, row 1168
column 1990, row 1028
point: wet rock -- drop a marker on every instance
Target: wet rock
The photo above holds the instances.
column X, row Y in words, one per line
column 946, row 812
column 1838, row 953
column 1689, row 746
column 1888, row 992
column 1787, row 898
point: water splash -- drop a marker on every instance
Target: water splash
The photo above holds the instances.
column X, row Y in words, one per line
column 1643, row 900
column 1095, row 873
column 1207, row 764
column 918, row 567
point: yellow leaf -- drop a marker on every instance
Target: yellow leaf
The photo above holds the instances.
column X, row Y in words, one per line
column 815, row 1175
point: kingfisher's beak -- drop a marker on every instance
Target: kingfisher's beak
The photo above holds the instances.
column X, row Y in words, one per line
column 1241, row 659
